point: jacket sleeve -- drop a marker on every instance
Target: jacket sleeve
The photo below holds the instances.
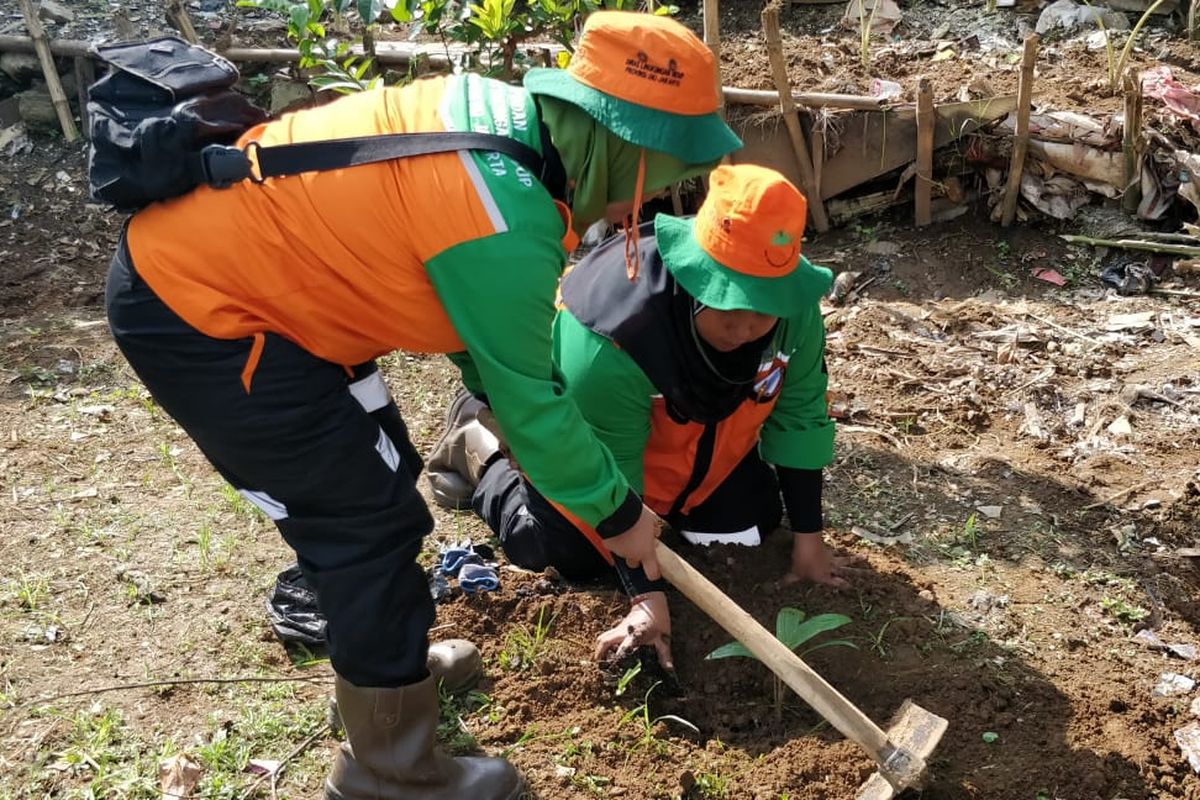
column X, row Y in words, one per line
column 498, row 292
column 611, row 391
column 799, row 432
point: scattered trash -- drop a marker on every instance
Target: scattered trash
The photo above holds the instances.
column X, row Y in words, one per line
column 1171, row 684
column 991, row 512
column 870, row 536
column 1071, row 17
column 884, row 15
column 178, row 776
column 1120, row 426
column 984, row 601
column 1159, row 83
column 1188, row 738
column 1049, row 275
column 843, row 285
column 292, row 609
column 1128, row 277
column 888, row 90
column 1187, row 652
column 263, row 766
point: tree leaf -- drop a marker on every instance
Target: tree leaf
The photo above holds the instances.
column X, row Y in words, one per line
column 812, row 627
column 830, row 643
column 680, row 720
column 370, row 10
column 729, row 650
column 787, row 623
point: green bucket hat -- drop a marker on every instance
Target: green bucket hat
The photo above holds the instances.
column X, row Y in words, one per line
column 649, row 80
column 742, row 250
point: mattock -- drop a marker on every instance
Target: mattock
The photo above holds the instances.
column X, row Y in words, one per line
column 900, row 752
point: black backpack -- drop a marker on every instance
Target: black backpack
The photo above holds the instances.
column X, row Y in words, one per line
column 165, row 117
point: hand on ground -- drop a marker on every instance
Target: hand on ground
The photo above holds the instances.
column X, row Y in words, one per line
column 647, row 623
column 636, row 545
column 813, row 561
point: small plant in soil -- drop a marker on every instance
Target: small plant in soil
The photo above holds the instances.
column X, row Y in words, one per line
column 647, row 723
column 30, row 591
column 452, row 729
column 793, row 630
column 1118, row 66
column 522, row 646
column 1120, row 609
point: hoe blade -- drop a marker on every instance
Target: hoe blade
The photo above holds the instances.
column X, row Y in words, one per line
column 916, row 732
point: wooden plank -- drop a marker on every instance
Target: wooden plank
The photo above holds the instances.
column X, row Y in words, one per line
column 870, row 143
column 1021, row 142
column 62, row 107
column 923, row 188
column 807, row 183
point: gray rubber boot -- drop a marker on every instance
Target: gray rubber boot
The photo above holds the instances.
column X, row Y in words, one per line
column 391, row 752
column 449, row 489
column 454, row 664
column 462, row 459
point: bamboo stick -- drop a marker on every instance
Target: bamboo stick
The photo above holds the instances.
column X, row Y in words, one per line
column 1131, row 144
column 712, row 38
column 1021, row 143
column 85, row 76
column 1135, row 244
column 62, row 106
column 758, row 97
column 923, row 186
column 178, row 17
column 816, row 208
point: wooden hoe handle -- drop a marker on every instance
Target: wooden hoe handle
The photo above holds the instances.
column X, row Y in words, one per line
column 827, row 701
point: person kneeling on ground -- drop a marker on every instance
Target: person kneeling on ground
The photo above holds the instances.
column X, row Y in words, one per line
column 704, row 375
column 254, row 313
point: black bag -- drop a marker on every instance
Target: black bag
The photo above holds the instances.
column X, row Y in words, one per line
column 163, row 121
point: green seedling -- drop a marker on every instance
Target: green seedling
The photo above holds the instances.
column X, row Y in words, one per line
column 971, row 531
column 452, row 730
column 630, row 674
column 31, row 591
column 1120, row 609
column 711, row 786
column 522, row 646
column 647, row 723
column 1117, row 67
column 793, row 630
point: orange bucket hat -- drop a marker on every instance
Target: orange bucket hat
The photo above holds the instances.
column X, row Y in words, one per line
column 649, row 80
column 742, row 250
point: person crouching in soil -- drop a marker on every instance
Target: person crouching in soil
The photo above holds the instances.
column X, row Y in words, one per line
column 253, row 314
column 701, row 368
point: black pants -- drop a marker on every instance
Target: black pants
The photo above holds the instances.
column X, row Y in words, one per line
column 324, row 454
column 534, row 535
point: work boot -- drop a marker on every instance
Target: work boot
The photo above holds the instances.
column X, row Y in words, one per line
column 454, row 664
column 462, row 460
column 390, row 752
column 451, row 490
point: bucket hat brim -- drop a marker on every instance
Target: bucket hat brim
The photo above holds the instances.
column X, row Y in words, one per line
column 693, row 139
column 725, row 289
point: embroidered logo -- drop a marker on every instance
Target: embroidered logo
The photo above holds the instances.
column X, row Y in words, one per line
column 770, row 378
column 642, row 67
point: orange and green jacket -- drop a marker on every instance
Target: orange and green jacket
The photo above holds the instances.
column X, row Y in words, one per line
column 456, row 253
column 677, row 465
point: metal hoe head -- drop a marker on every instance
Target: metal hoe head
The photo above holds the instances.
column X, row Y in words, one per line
column 913, row 736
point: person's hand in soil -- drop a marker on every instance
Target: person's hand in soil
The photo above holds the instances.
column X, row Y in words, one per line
column 647, row 623
column 636, row 545
column 812, row 561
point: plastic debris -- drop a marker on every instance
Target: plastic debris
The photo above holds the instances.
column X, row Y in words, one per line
column 1187, row 652
column 178, row 776
column 991, row 512
column 1049, row 275
column 292, row 609
column 1129, row 277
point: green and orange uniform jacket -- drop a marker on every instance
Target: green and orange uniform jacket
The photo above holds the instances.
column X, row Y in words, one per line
column 614, row 350
column 456, row 253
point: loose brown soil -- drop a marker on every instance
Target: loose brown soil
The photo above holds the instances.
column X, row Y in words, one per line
column 959, row 374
